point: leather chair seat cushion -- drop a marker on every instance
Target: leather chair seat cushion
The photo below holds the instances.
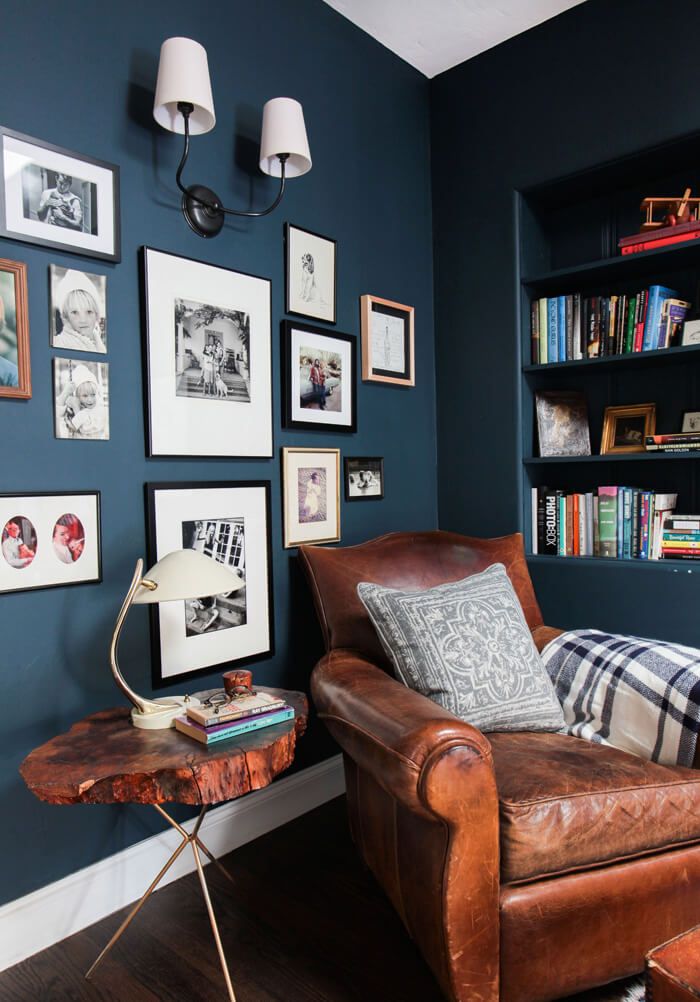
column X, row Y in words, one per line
column 567, row 804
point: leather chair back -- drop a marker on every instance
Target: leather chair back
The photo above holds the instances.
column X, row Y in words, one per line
column 409, row 560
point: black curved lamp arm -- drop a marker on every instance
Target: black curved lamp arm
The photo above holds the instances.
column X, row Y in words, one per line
column 186, row 110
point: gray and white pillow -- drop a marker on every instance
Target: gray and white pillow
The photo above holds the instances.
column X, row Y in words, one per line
column 467, row 646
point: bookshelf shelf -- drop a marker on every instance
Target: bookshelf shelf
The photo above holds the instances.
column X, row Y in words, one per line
column 686, row 353
column 668, row 566
column 624, row 457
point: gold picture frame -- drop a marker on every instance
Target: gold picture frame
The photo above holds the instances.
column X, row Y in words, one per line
column 15, row 370
column 626, row 428
column 388, row 353
column 310, row 496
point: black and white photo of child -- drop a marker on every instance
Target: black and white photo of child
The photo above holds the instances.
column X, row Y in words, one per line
column 81, row 397
column 223, row 540
column 77, row 310
column 364, row 478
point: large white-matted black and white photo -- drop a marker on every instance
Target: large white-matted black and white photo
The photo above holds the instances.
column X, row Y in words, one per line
column 208, row 351
column 364, row 478
column 81, row 399
column 56, row 198
column 310, row 273
column 77, row 310
column 228, row 522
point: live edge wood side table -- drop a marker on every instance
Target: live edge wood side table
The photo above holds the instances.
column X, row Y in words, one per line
column 104, row 760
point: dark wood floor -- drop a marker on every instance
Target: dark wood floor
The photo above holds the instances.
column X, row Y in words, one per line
column 305, row 923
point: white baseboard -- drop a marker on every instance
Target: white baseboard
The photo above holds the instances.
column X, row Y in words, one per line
column 46, row 916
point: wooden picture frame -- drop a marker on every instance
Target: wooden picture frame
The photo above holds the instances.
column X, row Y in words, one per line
column 626, row 428
column 364, row 478
column 388, row 349
column 310, row 496
column 310, row 274
column 15, row 366
column 308, row 403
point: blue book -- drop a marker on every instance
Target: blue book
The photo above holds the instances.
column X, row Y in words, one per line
column 561, row 329
column 552, row 339
column 657, row 295
column 219, row 732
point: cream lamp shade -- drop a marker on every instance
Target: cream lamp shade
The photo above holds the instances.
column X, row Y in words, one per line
column 185, row 574
column 183, row 75
column 284, row 131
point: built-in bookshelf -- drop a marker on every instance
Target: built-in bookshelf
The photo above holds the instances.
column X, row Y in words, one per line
column 567, row 236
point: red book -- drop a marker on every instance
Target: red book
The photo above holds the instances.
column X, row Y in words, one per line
column 639, row 329
column 576, row 541
column 660, row 233
column 663, row 242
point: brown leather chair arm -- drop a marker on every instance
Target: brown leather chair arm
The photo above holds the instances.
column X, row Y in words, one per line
column 394, row 734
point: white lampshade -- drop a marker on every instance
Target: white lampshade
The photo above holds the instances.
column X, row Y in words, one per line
column 283, row 131
column 186, row 574
column 183, row 75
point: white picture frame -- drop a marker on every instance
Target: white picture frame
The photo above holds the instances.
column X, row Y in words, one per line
column 310, row 354
column 310, row 274
column 311, row 495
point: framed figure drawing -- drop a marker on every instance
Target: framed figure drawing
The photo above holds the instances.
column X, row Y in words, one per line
column 15, row 375
column 208, row 355
column 388, row 353
column 55, row 198
column 318, row 373
column 77, row 310
column 230, row 523
column 49, row 540
column 311, row 496
column 310, row 274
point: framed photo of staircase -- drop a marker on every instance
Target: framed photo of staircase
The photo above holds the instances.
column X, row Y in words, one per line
column 208, row 358
column 228, row 522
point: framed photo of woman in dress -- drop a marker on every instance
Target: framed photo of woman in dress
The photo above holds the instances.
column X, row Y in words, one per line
column 311, row 502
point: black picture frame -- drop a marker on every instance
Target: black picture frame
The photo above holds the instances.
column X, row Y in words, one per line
column 16, row 222
column 355, row 464
column 158, row 680
column 292, row 389
column 300, row 241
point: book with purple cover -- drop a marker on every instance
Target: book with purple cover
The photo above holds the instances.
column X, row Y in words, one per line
column 217, row 732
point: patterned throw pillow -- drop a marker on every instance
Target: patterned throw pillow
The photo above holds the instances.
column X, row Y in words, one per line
column 467, row 646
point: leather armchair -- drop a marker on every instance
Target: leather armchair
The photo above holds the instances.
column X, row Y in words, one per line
column 525, row 866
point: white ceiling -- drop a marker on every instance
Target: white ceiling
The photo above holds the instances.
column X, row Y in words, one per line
column 434, row 35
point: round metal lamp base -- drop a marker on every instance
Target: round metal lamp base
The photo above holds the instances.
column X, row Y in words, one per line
column 203, row 218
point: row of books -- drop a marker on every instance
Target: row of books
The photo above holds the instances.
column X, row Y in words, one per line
column 571, row 328
column 682, row 441
column 208, row 724
column 681, row 537
column 621, row 522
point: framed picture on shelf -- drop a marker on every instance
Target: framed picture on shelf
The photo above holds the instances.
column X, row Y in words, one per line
column 626, row 428
column 15, row 372
column 562, row 423
column 691, row 333
column 388, row 354
column 208, row 355
column 81, row 399
column 311, row 496
column 364, row 478
column 318, row 372
column 691, row 422
column 77, row 310
column 49, row 540
column 310, row 274
column 230, row 523
column 56, row 198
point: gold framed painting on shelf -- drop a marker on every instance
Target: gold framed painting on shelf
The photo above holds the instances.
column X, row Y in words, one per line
column 626, row 428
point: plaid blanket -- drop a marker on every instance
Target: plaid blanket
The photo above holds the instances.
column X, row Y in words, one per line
column 642, row 696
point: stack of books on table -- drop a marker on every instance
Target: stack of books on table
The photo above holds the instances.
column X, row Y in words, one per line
column 682, row 441
column 242, row 714
column 681, row 538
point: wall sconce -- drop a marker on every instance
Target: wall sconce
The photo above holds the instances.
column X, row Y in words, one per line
column 184, row 104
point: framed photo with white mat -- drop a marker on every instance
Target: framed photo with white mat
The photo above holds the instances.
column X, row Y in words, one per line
column 311, row 496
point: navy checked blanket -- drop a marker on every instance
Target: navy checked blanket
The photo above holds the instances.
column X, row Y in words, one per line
column 642, row 696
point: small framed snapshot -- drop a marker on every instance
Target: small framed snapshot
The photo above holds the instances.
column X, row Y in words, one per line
column 230, row 523
column 81, row 399
column 691, row 422
column 626, row 428
column 562, row 423
column 208, row 353
column 15, row 372
column 691, row 333
column 77, row 310
column 310, row 274
column 318, row 372
column 311, row 489
column 56, row 198
column 388, row 353
column 49, row 540
column 364, row 478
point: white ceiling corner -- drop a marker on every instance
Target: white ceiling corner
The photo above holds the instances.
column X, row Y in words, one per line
column 434, row 35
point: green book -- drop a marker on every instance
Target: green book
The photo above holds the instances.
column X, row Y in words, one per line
column 607, row 521
column 629, row 332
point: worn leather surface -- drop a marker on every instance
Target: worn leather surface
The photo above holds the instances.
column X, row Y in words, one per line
column 567, row 804
column 673, row 969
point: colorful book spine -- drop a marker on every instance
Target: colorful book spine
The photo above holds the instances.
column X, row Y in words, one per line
column 607, row 521
column 219, row 732
column 561, row 329
column 542, row 304
column 552, row 336
column 657, row 295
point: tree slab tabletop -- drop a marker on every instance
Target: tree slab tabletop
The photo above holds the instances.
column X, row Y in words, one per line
column 103, row 759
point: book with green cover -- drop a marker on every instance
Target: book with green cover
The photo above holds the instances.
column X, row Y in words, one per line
column 607, row 521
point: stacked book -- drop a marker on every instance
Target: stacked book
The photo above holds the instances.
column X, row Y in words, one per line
column 620, row 522
column 240, row 715
column 682, row 441
column 681, row 537
column 571, row 328
column 663, row 236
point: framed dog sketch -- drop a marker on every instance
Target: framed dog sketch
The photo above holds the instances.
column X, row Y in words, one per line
column 310, row 274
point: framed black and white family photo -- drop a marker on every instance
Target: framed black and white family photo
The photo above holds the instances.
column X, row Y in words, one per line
column 230, row 523
column 56, row 198
column 208, row 352
column 388, row 350
column 15, row 372
column 310, row 273
column 364, row 478
column 77, row 310
column 318, row 371
column 311, row 496
column 49, row 540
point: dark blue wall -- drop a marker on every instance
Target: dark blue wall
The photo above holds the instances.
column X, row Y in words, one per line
column 592, row 85
column 82, row 76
